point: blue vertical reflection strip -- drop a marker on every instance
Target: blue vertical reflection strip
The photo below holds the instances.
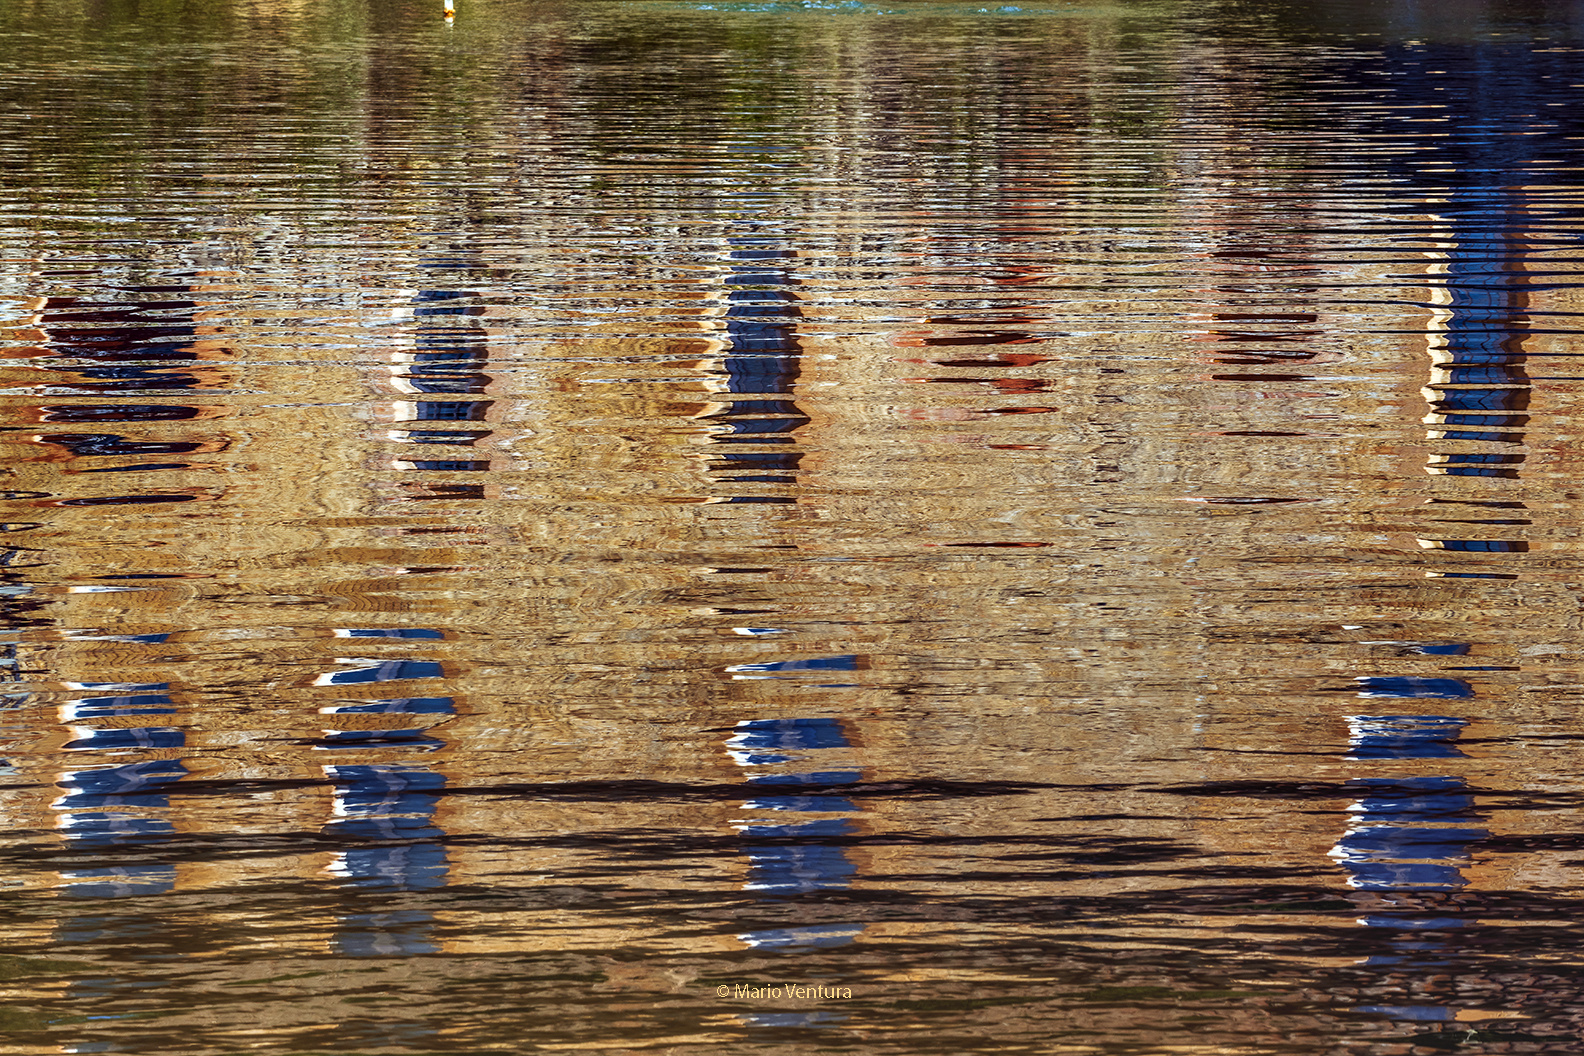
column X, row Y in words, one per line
column 390, row 810
column 1404, row 834
column 762, row 360
column 798, row 862
column 105, row 808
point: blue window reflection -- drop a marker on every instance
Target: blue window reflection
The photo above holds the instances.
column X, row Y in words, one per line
column 382, row 671
column 384, row 804
column 109, row 807
column 786, row 842
column 395, row 705
column 1404, row 736
column 1404, row 835
column 142, row 737
column 1407, row 686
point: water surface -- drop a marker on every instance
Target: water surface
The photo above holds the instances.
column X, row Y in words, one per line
column 1054, row 523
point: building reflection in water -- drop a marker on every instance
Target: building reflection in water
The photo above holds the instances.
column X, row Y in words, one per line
column 794, row 809
column 128, row 345
column 388, row 809
column 449, row 357
column 1479, row 390
column 755, row 421
column 1405, row 850
column 107, row 808
column 385, row 810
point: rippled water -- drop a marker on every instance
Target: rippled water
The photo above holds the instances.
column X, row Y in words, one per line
column 1052, row 527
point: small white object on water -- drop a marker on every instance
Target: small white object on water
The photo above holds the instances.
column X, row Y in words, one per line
column 450, row 9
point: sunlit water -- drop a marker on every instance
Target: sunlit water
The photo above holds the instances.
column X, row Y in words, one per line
column 1051, row 527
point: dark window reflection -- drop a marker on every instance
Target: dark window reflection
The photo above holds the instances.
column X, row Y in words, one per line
column 760, row 370
column 449, row 349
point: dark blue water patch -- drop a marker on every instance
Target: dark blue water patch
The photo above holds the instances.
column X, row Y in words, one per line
column 131, row 704
column 783, row 1020
column 141, row 738
column 1413, row 1013
column 399, row 933
column 461, row 438
column 133, row 784
column 1414, row 686
column 760, row 416
column 1430, row 799
column 814, row 779
column 1513, row 422
column 384, row 671
column 125, row 412
column 101, row 829
column 825, row 663
column 407, row 867
column 385, row 789
column 1404, row 736
column 390, row 632
column 1409, row 842
column 1442, row 648
column 1477, row 458
column 92, row 381
column 807, row 935
column 453, row 465
column 451, row 410
column 806, row 804
column 790, row 734
column 122, row 881
column 95, row 445
column 1464, row 406
column 1372, row 875
column 1404, row 835
column 799, row 830
column 1401, row 922
column 1482, row 546
column 445, row 379
column 1474, row 374
column 798, row 868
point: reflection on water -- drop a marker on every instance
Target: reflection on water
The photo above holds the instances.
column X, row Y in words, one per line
column 760, row 359
column 1057, row 523
column 1407, row 846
